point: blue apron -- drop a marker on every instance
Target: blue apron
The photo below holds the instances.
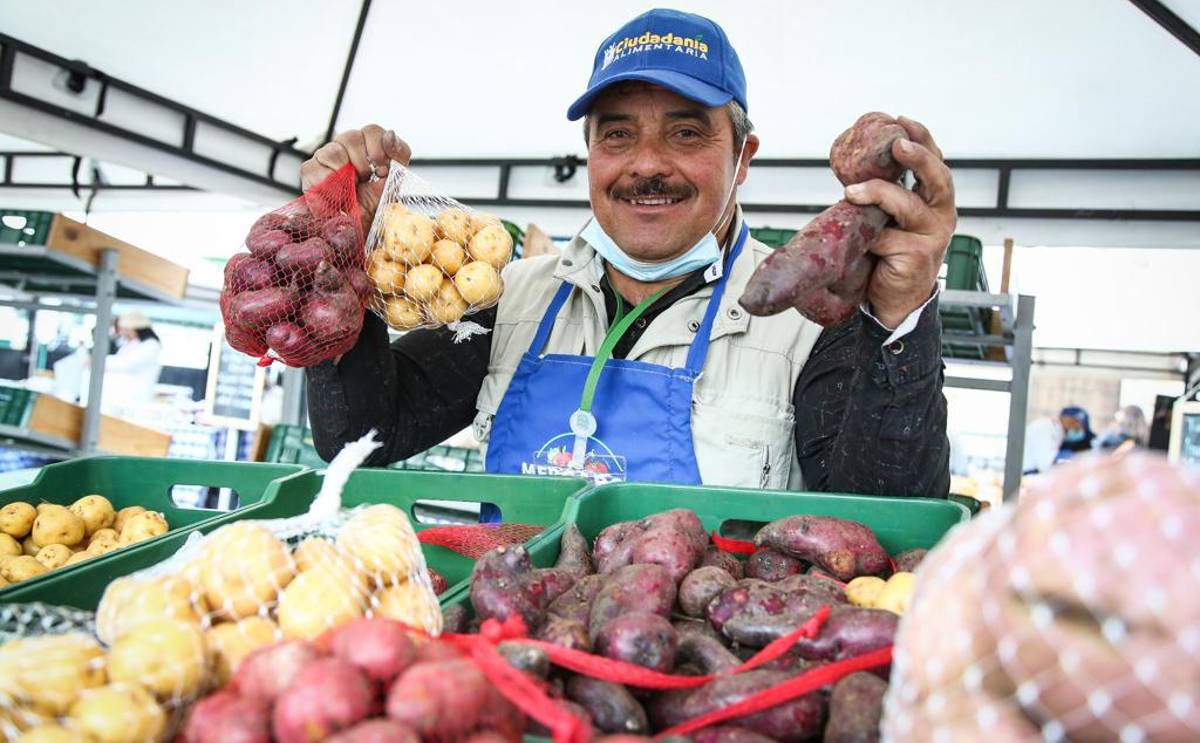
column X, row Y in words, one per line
column 601, row 418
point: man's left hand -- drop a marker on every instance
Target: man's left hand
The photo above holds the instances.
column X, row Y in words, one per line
column 911, row 251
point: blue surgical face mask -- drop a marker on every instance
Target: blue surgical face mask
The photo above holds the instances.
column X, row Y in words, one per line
column 1074, row 436
column 704, row 253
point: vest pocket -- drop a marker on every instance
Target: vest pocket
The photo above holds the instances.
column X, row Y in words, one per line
column 742, row 444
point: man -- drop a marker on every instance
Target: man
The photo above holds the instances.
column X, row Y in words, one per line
column 628, row 356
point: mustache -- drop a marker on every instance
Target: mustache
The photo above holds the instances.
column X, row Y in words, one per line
column 644, row 187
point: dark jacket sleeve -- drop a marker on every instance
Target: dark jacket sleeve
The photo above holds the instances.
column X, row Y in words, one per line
column 416, row 392
column 872, row 418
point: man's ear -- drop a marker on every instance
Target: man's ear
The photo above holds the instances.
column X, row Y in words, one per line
column 752, row 144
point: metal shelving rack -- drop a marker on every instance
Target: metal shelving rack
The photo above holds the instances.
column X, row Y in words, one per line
column 40, row 273
column 1016, row 323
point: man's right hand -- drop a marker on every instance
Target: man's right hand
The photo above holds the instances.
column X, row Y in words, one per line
column 370, row 146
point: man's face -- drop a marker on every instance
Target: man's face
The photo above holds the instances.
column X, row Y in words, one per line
column 659, row 168
column 1071, row 423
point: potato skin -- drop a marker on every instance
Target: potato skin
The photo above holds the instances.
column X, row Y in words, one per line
column 846, row 549
column 864, row 151
column 638, row 637
column 645, row 588
column 574, row 556
column 722, row 559
column 701, row 586
column 848, row 632
column 769, row 565
column 611, row 707
column 797, row 720
column 674, row 539
column 908, row 560
column 855, row 709
column 576, row 603
column 754, row 613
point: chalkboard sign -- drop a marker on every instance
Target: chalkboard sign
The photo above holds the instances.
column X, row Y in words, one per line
column 235, row 385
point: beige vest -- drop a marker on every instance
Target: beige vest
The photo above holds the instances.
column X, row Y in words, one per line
column 742, row 415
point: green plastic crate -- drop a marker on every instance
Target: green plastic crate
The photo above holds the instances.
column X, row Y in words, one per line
column 964, row 264
column 16, row 403
column 772, row 236
column 136, row 481
column 899, row 523
column 34, row 231
column 520, row 499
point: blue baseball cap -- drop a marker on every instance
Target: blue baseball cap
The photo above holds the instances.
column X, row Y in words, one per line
column 682, row 52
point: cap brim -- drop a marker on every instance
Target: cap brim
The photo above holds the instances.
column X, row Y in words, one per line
column 684, row 85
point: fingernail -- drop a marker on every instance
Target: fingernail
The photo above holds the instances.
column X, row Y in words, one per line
column 393, row 141
column 906, row 146
column 856, row 189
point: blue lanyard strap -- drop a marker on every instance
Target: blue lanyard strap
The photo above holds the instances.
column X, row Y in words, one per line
column 699, row 349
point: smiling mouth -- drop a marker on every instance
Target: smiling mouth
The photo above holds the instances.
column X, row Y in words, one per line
column 652, row 200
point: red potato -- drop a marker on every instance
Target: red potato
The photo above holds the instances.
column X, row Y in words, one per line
column 705, row 652
column 380, row 730
column 722, row 559
column 259, row 309
column 248, row 342
column 533, row 727
column 446, row 699
column 360, row 282
column 797, row 720
column 327, row 696
column 647, row 588
column 343, row 237
column 908, row 560
column 504, row 583
column 700, row 587
column 771, row 566
column 303, row 257
column 567, row 633
column 819, row 586
column 435, row 652
column 265, row 244
column 266, row 672
column 700, row 626
column 855, row 709
column 576, row 603
column 573, row 554
column 840, row 301
column 755, row 613
column 228, row 717
column 846, row 549
column 265, row 223
column 380, row 648
column 729, row 734
column 674, row 539
column 454, row 619
column 864, row 151
column 333, row 316
column 640, row 638
column 611, row 707
column 555, row 582
column 849, row 632
column 289, row 341
column 244, row 272
column 525, row 658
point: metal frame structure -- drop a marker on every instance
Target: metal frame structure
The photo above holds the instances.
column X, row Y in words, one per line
column 1016, row 318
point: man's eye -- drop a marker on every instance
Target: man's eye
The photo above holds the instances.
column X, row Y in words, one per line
column 616, row 134
column 687, row 133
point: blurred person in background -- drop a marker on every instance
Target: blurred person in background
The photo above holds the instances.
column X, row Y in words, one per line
column 131, row 373
column 1128, row 425
column 1077, row 432
column 1049, row 441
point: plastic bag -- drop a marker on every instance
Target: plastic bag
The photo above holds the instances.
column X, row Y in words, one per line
column 298, row 294
column 432, row 260
column 1072, row 616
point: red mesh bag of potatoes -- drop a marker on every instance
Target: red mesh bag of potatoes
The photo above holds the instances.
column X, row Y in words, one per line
column 431, row 260
column 1072, row 616
column 298, row 294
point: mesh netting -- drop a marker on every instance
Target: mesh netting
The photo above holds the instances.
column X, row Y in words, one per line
column 475, row 540
column 163, row 637
column 1074, row 616
column 298, row 295
column 432, row 260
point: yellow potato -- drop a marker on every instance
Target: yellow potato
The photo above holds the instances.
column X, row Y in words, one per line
column 118, row 713
column 101, row 547
column 381, row 542
column 168, row 656
column 130, row 602
column 318, row 600
column 387, row 275
column 492, row 244
column 104, row 535
column 243, row 566
column 422, row 282
column 448, row 306
column 9, row 545
column 48, row 672
column 448, row 256
column 479, row 283
column 57, row 525
column 78, row 557
column 863, row 590
column 403, row 314
column 230, row 642
column 16, row 519
column 96, row 511
column 408, row 237
column 408, row 602
column 30, row 547
column 312, row 552
column 143, row 526
column 53, row 555
column 896, row 592
column 49, row 734
column 479, row 221
column 3, row 581
column 22, row 568
column 455, row 224
column 124, row 515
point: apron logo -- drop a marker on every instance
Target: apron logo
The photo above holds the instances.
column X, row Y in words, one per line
column 555, row 457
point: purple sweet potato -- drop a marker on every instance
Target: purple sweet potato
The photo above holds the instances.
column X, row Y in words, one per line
column 754, row 613
column 908, row 560
column 261, row 308
column 611, row 707
column 573, row 553
column 729, row 734
column 855, row 709
column 567, row 633
column 303, row 257
column 674, row 539
column 846, row 549
column 819, row 256
column 797, row 720
column 246, row 341
column 705, row 653
column 342, row 235
column 244, row 272
column 288, row 340
column 504, row 583
column 555, row 582
column 638, row 637
column 771, row 566
column 723, row 559
column 332, row 316
column 265, row 244
column 848, row 632
column 576, row 603
column 701, row 586
column 840, row 301
column 864, row 151
column 646, row 588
